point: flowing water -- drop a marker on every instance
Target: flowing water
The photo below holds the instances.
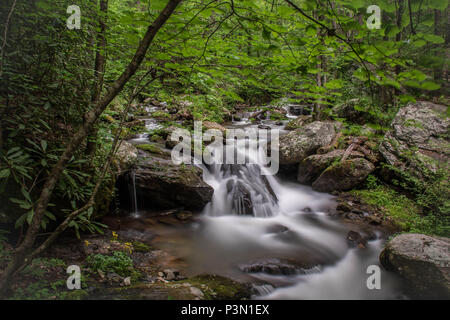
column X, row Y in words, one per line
column 277, row 235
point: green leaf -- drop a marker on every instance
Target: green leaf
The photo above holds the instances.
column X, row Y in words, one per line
column 433, row 38
column 438, row 4
column 430, row 85
column 44, row 145
column 50, row 215
column 5, row 173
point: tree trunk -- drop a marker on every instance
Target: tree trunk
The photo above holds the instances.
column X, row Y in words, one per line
column 91, row 116
column 100, row 62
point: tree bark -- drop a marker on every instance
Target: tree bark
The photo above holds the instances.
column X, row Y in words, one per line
column 100, row 63
column 91, row 116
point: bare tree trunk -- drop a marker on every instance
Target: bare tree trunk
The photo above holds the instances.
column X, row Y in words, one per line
column 100, row 62
column 91, row 116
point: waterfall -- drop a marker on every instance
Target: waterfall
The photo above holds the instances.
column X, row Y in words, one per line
column 133, row 193
column 240, row 189
column 267, row 225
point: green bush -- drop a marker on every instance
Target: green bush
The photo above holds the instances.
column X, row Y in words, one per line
column 119, row 262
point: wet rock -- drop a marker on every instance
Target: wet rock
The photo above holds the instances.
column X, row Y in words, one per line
column 127, row 281
column 270, row 266
column 303, row 142
column 275, row 266
column 162, row 184
column 214, row 125
column 277, row 228
column 424, row 261
column 418, row 141
column 171, row 275
column 355, row 239
column 264, row 127
column 184, row 216
column 242, row 200
column 344, row 175
column 344, row 207
column 196, row 292
column 114, row 277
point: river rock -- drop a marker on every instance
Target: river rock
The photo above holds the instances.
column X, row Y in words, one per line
column 271, row 266
column 304, row 141
column 343, row 175
column 418, row 141
column 214, row 125
column 162, row 184
column 424, row 261
column 166, row 185
column 311, row 167
column 242, row 200
column 355, row 239
column 126, row 155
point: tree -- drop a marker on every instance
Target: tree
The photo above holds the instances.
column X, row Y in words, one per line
column 91, row 116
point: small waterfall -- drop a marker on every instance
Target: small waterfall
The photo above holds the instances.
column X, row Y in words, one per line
column 133, row 193
column 240, row 189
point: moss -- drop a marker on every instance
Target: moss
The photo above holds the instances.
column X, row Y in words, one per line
column 161, row 115
column 405, row 213
column 150, row 148
column 275, row 115
column 141, row 247
column 218, row 287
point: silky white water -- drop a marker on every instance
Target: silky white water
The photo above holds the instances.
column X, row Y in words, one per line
column 253, row 218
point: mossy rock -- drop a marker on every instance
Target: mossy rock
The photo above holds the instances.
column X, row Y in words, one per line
column 161, row 115
column 141, row 247
column 151, row 148
column 219, row 288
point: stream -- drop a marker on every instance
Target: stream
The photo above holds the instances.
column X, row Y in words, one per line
column 275, row 234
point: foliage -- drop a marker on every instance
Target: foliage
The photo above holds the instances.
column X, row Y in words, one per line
column 408, row 213
column 119, row 262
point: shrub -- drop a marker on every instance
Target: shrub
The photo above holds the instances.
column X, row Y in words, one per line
column 119, row 262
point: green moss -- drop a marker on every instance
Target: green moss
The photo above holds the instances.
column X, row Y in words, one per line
column 218, row 287
column 161, row 115
column 405, row 212
column 274, row 115
column 150, row 148
column 141, row 247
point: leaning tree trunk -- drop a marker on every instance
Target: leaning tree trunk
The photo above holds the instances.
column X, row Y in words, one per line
column 91, row 116
column 100, row 62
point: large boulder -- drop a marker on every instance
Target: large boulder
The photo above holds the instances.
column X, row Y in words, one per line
column 159, row 183
column 423, row 261
column 302, row 142
column 311, row 167
column 343, row 175
column 418, row 143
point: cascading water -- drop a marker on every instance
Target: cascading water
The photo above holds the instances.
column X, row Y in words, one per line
column 278, row 234
column 134, row 193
